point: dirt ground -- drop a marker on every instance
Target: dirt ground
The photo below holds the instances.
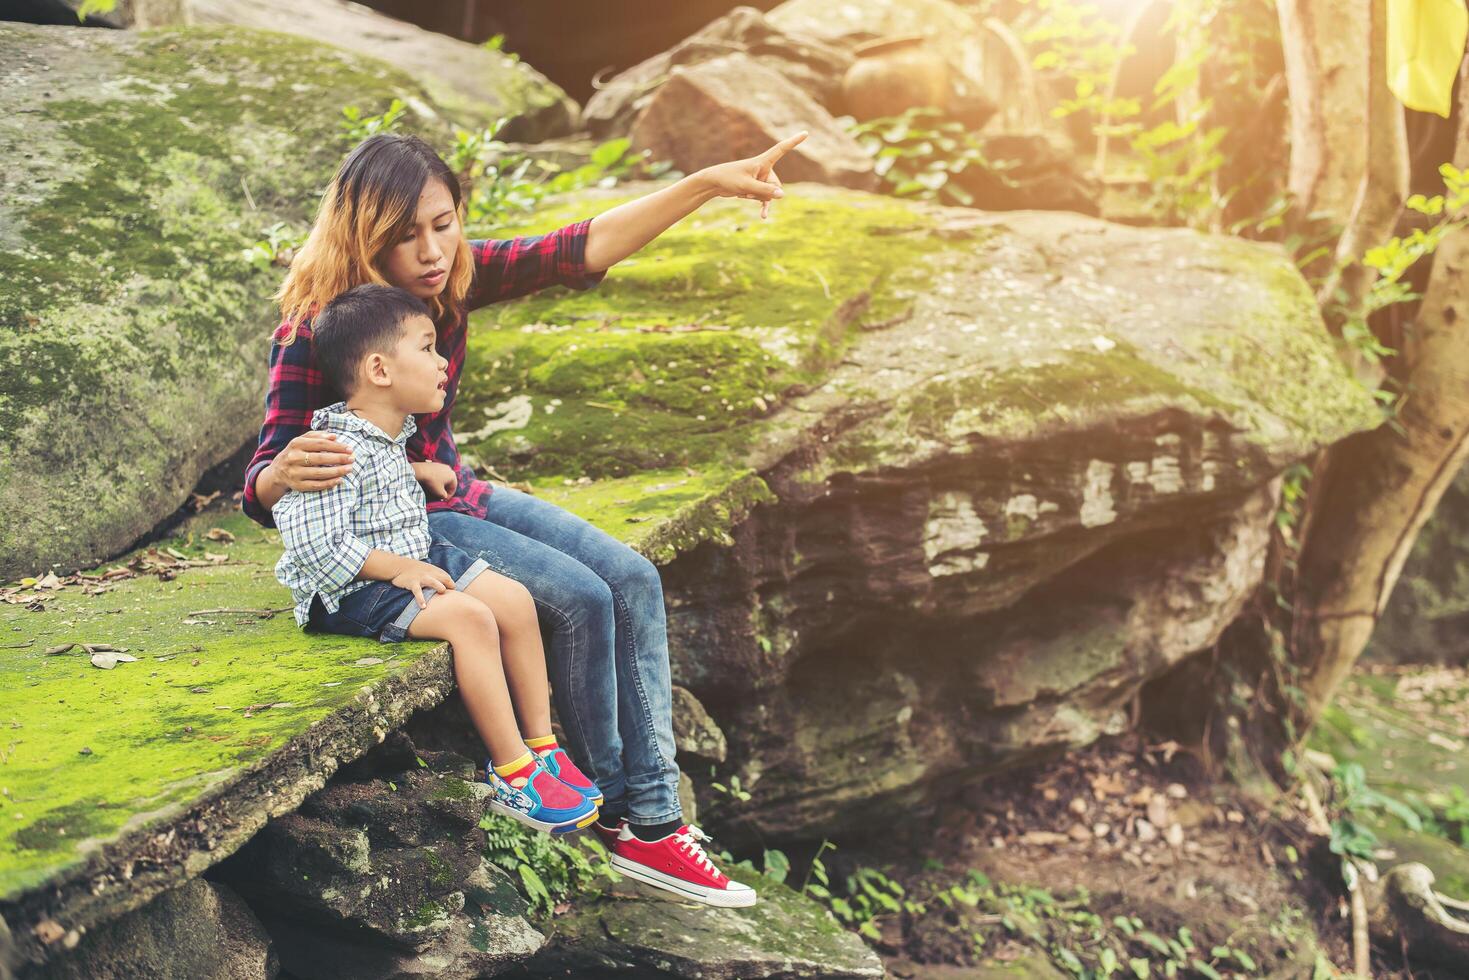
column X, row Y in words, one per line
column 1124, row 846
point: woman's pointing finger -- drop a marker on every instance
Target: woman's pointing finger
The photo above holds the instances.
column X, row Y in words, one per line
column 771, row 156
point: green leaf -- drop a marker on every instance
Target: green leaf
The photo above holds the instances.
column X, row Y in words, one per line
column 777, row 865
column 90, row 7
column 1206, row 969
column 610, row 152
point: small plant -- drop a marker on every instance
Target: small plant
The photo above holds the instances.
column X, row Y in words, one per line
column 733, row 789
column 277, row 248
column 501, row 181
column 1353, row 799
column 777, row 865
column 550, row 869
column 497, row 43
column 89, row 7
column 356, row 127
column 919, row 153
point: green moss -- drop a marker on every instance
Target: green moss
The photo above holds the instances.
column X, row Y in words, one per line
column 1276, row 353
column 662, row 513
column 1011, row 402
column 425, row 915
column 188, row 716
column 214, row 692
column 680, row 355
column 451, row 788
column 441, row 874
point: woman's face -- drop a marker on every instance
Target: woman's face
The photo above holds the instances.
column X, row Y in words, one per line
column 420, row 262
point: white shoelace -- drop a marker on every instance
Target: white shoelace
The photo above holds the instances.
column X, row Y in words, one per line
column 689, row 841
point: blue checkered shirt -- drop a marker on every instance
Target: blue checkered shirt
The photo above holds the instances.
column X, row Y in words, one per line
column 329, row 533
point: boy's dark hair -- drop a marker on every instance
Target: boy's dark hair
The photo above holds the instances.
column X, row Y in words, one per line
column 363, row 320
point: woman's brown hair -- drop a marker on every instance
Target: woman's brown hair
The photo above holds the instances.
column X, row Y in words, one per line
column 370, row 205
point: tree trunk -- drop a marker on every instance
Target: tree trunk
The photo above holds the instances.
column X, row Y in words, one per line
column 1381, row 191
column 1326, row 71
column 1378, row 488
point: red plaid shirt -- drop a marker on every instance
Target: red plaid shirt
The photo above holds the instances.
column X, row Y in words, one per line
column 504, row 269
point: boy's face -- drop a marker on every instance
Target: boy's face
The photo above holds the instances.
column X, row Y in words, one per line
column 420, row 377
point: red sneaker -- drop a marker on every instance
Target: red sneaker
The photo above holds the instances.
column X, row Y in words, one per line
column 608, row 835
column 678, row 864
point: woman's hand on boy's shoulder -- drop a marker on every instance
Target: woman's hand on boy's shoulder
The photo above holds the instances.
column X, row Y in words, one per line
column 439, row 481
column 313, row 461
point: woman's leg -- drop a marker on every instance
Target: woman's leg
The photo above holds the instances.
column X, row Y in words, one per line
column 644, row 685
column 520, row 648
column 469, row 626
column 575, row 606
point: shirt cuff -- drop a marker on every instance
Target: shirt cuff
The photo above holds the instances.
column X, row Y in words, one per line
column 341, row 570
column 250, row 503
column 571, row 257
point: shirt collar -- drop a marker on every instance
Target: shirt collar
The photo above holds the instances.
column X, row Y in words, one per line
column 336, row 418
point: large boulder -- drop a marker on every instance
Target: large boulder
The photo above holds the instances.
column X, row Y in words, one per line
column 473, row 83
column 133, row 327
column 814, row 66
column 382, row 874
column 949, row 28
column 635, row 931
column 1021, row 464
column 735, row 107
column 198, row 931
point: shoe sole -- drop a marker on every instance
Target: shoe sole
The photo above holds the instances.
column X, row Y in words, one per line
column 718, row 897
column 565, row 827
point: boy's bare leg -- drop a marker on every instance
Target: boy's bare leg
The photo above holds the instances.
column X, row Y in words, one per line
column 469, row 626
column 521, row 652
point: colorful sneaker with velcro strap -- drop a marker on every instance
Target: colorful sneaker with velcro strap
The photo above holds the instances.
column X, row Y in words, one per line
column 561, row 766
column 540, row 800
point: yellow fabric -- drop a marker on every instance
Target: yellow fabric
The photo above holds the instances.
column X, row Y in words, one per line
column 510, row 767
column 1425, row 43
column 545, row 741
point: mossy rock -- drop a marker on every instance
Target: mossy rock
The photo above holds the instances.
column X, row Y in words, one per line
column 704, row 347
column 133, row 328
column 637, row 931
column 117, row 783
column 951, row 411
column 477, row 86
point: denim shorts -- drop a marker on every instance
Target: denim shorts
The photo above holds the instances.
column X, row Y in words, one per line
column 383, row 610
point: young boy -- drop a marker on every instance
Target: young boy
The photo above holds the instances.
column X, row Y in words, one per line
column 359, row 558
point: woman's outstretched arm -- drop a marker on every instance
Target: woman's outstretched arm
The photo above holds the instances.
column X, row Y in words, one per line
column 616, row 234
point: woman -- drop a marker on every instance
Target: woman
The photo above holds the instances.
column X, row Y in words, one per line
column 392, row 215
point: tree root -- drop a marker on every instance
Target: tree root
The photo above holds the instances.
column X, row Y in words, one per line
column 1404, row 909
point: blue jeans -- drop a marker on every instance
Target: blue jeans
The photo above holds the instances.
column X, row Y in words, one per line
column 384, row 611
column 607, row 652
